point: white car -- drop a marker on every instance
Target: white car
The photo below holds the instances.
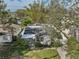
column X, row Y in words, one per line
column 30, row 32
column 35, row 33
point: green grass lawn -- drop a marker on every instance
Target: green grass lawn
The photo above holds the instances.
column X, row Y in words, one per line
column 43, row 54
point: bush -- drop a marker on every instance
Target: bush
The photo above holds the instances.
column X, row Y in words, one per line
column 25, row 22
column 20, row 45
column 56, row 43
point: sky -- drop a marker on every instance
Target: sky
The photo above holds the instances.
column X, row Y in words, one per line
column 13, row 5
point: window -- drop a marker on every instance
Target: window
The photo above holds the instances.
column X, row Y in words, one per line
column 32, row 31
column 28, row 32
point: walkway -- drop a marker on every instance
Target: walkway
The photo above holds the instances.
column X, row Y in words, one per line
column 62, row 53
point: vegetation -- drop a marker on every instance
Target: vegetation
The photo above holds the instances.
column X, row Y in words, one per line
column 20, row 45
column 21, row 14
column 37, row 12
column 26, row 21
column 43, row 54
column 56, row 43
column 16, row 49
column 73, row 48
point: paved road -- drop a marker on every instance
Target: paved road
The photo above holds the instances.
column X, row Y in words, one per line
column 62, row 53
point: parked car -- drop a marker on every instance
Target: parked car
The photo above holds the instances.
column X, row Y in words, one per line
column 36, row 33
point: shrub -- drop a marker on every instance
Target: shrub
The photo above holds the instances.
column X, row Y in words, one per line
column 20, row 45
column 56, row 43
column 25, row 22
column 73, row 48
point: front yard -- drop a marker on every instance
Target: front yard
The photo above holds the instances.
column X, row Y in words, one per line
column 47, row 53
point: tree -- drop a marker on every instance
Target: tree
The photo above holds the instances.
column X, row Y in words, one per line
column 59, row 17
column 37, row 12
column 75, row 16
